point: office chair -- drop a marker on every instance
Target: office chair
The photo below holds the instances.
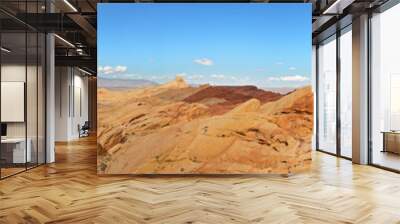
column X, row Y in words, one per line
column 84, row 130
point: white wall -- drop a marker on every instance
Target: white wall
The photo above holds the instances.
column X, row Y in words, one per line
column 61, row 103
column 80, row 109
column 71, row 94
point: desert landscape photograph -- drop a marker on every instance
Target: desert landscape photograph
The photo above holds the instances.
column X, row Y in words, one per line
column 218, row 93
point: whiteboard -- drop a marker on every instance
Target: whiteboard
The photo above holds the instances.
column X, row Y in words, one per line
column 12, row 101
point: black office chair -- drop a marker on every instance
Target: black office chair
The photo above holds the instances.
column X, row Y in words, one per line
column 84, row 130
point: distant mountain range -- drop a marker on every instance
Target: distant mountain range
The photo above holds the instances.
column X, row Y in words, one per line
column 281, row 90
column 139, row 83
column 124, row 83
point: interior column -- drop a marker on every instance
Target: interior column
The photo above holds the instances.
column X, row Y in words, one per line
column 360, row 90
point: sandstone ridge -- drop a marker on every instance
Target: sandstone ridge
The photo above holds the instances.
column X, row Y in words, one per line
column 170, row 133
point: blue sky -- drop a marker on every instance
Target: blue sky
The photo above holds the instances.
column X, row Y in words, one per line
column 268, row 45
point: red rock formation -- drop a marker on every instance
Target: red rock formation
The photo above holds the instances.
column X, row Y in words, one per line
column 232, row 96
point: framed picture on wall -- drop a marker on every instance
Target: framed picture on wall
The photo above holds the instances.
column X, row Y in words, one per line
column 204, row 88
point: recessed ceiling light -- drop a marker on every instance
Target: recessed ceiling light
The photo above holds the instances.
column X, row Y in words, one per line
column 84, row 71
column 64, row 40
column 70, row 5
column 5, row 50
column 337, row 7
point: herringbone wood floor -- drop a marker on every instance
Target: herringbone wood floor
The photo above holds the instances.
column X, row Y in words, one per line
column 69, row 191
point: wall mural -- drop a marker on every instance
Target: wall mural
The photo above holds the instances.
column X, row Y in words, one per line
column 204, row 88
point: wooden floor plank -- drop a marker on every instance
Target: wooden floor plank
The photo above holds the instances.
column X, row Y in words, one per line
column 70, row 191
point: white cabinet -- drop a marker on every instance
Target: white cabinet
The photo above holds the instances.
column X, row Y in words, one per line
column 19, row 155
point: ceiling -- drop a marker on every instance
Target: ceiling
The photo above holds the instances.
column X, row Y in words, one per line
column 75, row 21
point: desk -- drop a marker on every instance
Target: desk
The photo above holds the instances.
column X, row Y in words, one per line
column 15, row 148
column 391, row 141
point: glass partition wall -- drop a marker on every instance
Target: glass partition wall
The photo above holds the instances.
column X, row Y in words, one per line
column 327, row 95
column 22, row 77
column 334, row 84
column 13, row 110
column 345, row 91
column 385, row 89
